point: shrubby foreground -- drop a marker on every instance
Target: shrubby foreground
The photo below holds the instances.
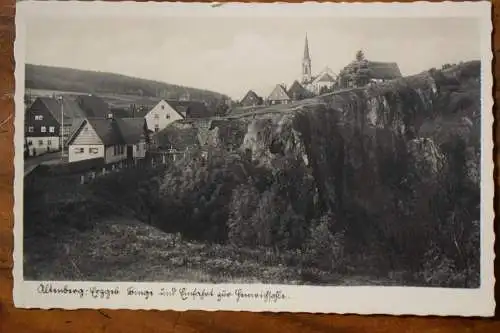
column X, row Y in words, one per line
column 378, row 185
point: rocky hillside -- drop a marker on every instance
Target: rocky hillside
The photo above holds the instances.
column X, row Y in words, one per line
column 385, row 176
column 380, row 183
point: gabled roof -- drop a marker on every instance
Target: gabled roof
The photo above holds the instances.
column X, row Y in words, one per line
column 115, row 131
column 376, row 69
column 250, row 94
column 278, row 94
column 325, row 77
column 93, row 106
column 69, row 107
column 179, row 108
column 107, row 130
column 122, row 113
column 297, row 89
column 131, row 129
column 384, row 70
column 193, row 109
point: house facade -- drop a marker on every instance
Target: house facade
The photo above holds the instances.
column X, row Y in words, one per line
column 161, row 115
column 279, row 96
column 114, row 140
column 251, row 99
column 361, row 72
column 42, row 129
column 298, row 92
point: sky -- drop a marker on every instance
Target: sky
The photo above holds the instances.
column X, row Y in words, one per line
column 233, row 55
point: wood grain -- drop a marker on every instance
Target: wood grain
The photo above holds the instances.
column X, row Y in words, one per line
column 18, row 321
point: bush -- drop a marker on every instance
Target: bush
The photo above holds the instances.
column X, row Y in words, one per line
column 323, row 248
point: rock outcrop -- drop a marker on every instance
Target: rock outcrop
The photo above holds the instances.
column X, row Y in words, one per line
column 374, row 157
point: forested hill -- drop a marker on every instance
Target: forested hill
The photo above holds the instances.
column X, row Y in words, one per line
column 68, row 79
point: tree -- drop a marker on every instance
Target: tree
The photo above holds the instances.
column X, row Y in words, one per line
column 221, row 108
column 360, row 56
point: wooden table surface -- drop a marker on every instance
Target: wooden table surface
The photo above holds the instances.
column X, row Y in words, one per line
column 17, row 321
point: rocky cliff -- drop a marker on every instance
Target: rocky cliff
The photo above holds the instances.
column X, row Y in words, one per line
column 392, row 167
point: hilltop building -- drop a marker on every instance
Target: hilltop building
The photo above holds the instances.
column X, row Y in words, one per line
column 298, row 92
column 251, row 99
column 315, row 83
column 361, row 72
column 279, row 96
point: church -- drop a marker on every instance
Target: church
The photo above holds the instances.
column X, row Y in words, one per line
column 323, row 80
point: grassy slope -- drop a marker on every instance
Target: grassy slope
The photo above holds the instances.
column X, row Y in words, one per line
column 128, row 250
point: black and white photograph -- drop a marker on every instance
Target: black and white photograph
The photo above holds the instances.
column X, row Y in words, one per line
column 276, row 155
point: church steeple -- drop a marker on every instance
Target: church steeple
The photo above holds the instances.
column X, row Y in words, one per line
column 306, row 64
column 306, row 50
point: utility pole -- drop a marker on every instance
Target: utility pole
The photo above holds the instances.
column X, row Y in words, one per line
column 60, row 99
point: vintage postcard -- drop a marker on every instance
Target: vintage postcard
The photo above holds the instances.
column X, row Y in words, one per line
column 322, row 158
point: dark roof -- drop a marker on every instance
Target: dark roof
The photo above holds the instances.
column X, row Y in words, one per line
column 131, row 129
column 121, row 113
column 193, row 109
column 384, row 70
column 107, row 130
column 116, row 131
column 94, row 106
column 297, row 90
column 376, row 70
column 278, row 94
column 250, row 94
column 70, row 108
column 178, row 138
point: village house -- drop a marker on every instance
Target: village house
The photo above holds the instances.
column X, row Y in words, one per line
column 361, row 72
column 93, row 106
column 251, row 99
column 279, row 96
column 44, row 119
column 114, row 140
column 298, row 92
column 161, row 115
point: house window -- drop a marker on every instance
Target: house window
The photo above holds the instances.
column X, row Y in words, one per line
column 79, row 150
column 43, row 129
column 163, row 107
column 38, row 117
column 49, row 142
column 122, row 149
column 115, row 150
column 30, row 143
column 31, row 129
column 40, row 143
column 52, row 129
column 93, row 150
column 167, row 116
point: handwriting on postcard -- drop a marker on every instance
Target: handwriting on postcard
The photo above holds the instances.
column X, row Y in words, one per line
column 182, row 293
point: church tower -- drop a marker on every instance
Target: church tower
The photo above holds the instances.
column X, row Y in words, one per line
column 306, row 64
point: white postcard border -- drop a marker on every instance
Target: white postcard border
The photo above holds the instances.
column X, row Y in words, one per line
column 313, row 299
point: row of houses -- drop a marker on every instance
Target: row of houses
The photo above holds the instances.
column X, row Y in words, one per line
column 88, row 128
column 357, row 73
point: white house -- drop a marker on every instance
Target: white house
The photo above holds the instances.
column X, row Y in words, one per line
column 161, row 116
column 114, row 140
